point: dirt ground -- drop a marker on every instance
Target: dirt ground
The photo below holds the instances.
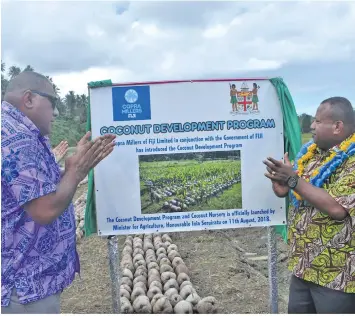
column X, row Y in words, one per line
column 211, row 256
column 215, row 267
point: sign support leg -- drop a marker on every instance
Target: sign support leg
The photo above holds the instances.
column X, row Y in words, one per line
column 273, row 286
column 114, row 259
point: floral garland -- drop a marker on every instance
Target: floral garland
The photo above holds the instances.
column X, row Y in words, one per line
column 337, row 156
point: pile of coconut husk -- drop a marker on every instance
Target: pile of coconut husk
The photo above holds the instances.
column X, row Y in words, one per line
column 155, row 279
column 80, row 206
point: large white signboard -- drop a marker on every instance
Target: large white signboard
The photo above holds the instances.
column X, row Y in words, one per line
column 188, row 156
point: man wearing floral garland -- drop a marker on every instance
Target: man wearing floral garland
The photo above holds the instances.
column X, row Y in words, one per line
column 322, row 214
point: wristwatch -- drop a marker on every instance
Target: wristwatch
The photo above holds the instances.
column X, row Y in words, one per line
column 292, row 181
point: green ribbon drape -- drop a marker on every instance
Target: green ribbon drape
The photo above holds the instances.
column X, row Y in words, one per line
column 292, row 143
column 292, row 133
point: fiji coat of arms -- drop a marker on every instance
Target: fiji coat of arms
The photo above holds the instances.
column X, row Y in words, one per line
column 244, row 101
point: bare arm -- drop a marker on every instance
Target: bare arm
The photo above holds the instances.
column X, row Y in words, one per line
column 62, row 171
column 49, row 207
column 321, row 200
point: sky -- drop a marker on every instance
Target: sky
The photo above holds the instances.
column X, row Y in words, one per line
column 310, row 44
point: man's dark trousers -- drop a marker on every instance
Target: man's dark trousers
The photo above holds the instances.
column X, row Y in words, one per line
column 309, row 298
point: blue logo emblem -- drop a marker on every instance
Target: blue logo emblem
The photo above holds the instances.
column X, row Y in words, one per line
column 131, row 96
column 131, row 103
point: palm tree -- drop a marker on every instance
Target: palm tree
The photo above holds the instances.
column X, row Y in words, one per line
column 14, row 71
column 4, row 81
column 55, row 87
column 61, row 107
column 29, row 68
column 82, row 105
column 70, row 101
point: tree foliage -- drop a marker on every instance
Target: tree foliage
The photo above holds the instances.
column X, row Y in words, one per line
column 72, row 108
column 305, row 122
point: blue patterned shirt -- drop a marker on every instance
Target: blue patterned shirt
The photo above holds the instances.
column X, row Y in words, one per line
column 38, row 260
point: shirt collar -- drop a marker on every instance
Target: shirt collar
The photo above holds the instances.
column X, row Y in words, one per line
column 16, row 114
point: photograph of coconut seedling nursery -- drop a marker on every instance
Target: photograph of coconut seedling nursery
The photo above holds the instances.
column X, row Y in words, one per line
column 196, row 181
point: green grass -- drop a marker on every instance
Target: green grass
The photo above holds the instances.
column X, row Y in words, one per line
column 229, row 199
column 192, row 178
column 306, row 137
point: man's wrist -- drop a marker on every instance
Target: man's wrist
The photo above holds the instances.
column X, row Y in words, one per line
column 72, row 176
column 300, row 185
column 292, row 181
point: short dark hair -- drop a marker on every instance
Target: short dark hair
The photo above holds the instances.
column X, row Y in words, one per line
column 27, row 80
column 342, row 110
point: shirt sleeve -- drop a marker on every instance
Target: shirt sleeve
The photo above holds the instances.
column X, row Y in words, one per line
column 26, row 169
column 343, row 189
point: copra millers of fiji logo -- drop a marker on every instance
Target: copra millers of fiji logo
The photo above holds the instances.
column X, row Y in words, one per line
column 131, row 96
column 131, row 103
column 132, row 108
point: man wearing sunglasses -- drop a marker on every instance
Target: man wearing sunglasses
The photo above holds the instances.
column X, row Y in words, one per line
column 38, row 245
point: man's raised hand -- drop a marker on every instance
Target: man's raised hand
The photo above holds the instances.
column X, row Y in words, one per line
column 88, row 154
column 61, row 150
column 278, row 173
column 108, row 145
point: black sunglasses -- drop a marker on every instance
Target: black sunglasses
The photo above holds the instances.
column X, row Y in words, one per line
column 51, row 98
